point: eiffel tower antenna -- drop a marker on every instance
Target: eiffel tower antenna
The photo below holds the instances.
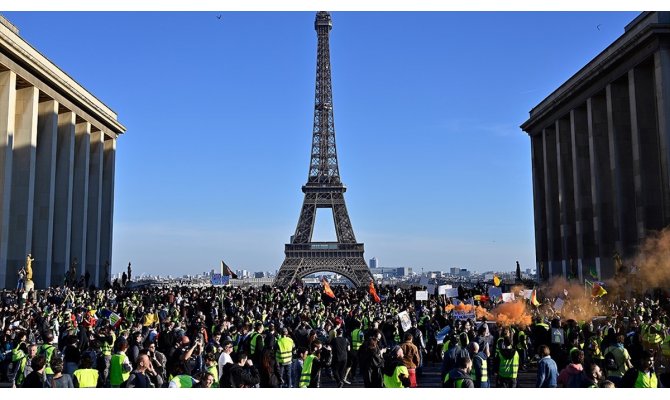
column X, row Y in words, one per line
column 323, row 189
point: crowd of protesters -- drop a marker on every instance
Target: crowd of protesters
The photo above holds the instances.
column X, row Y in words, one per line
column 226, row 337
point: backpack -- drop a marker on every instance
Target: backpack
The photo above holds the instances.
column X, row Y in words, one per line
column 610, row 361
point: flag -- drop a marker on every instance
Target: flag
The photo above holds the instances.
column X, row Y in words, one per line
column 115, row 320
column 593, row 272
column 373, row 292
column 326, row 288
column 496, row 280
column 533, row 298
column 226, row 271
column 598, row 291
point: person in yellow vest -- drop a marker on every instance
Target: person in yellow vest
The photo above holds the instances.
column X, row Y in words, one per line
column 459, row 377
column 85, row 376
column 181, row 380
column 395, row 372
column 47, row 349
column 479, row 371
column 284, row 357
column 356, row 341
column 644, row 376
column 256, row 343
column 319, row 357
column 107, row 339
column 508, row 364
column 119, row 366
column 212, row 368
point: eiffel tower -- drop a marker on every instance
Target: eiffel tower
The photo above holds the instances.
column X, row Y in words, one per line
column 324, row 189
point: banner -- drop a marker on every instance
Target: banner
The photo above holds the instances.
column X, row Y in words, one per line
column 507, row 297
column 405, row 321
column 527, row 293
column 421, row 295
column 463, row 315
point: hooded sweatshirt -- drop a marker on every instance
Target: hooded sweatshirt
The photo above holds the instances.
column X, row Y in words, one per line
column 570, row 376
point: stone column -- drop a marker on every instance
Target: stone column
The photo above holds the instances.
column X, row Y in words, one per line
column 539, row 203
column 63, row 197
column 645, row 147
column 662, row 91
column 551, row 200
column 601, row 182
column 23, row 180
column 621, row 166
column 82, row 149
column 7, row 118
column 94, row 206
column 45, row 177
column 106, row 234
column 566, row 196
column 581, row 171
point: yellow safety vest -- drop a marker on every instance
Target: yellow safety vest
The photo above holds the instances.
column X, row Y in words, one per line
column 356, row 341
column 254, row 336
column 116, row 373
column 215, row 372
column 183, row 381
column 394, row 381
column 48, row 350
column 87, row 377
column 306, row 374
column 485, row 374
column 644, row 381
column 508, row 367
column 284, row 350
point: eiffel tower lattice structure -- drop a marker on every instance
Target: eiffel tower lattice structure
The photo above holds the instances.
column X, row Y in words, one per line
column 324, row 189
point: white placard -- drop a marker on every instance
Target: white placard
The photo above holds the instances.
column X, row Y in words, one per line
column 442, row 289
column 507, row 297
column 422, row 295
column 527, row 293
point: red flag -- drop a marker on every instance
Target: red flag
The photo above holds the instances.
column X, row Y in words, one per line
column 326, row 288
column 373, row 292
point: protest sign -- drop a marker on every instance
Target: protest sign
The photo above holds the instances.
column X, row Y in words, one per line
column 405, row 321
column 421, row 295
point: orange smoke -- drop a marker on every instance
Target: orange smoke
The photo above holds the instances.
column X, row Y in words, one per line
column 652, row 261
column 513, row 313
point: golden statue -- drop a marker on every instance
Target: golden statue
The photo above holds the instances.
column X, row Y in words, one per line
column 29, row 267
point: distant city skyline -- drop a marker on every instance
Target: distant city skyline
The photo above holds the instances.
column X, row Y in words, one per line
column 219, row 112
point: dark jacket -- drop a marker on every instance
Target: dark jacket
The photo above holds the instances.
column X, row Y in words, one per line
column 35, row 380
column 370, row 361
column 234, row 376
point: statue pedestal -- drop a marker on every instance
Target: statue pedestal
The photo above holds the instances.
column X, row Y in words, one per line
column 30, row 285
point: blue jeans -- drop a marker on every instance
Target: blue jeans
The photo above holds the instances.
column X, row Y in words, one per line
column 285, row 374
column 21, row 284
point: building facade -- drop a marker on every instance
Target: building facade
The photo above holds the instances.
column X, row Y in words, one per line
column 57, row 160
column 600, row 149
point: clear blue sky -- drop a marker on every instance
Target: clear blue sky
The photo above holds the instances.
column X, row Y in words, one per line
column 219, row 115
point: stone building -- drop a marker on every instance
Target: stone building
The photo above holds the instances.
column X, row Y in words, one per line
column 600, row 147
column 57, row 157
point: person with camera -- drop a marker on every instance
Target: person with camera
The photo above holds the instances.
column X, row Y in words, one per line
column 241, row 373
